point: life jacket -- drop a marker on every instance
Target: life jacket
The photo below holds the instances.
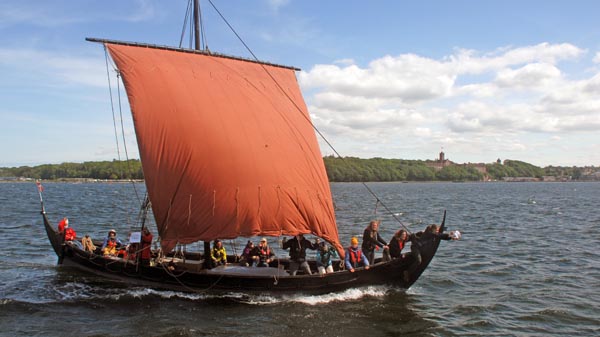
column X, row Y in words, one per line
column 111, row 247
column 264, row 254
column 146, row 243
column 218, row 253
column 355, row 256
column 122, row 253
column 111, row 244
column 70, row 234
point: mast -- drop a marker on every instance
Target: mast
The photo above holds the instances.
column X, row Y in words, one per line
column 207, row 258
column 197, row 24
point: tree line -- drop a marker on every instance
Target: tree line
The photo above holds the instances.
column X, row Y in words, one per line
column 111, row 170
column 347, row 169
column 339, row 169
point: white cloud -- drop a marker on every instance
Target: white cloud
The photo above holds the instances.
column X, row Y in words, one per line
column 529, row 76
column 466, row 99
column 597, row 58
column 344, row 62
column 469, row 62
column 407, row 78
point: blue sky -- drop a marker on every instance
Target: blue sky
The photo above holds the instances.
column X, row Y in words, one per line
column 481, row 80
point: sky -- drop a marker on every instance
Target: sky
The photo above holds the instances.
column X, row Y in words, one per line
column 480, row 80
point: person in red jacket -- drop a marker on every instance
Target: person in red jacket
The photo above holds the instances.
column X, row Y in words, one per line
column 64, row 230
column 62, row 224
column 146, row 252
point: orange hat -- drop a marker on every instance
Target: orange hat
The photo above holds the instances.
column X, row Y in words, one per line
column 354, row 241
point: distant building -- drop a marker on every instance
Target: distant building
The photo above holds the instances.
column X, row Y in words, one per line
column 441, row 162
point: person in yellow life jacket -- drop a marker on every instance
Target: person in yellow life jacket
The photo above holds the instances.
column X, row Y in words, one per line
column 111, row 243
column 218, row 253
column 354, row 257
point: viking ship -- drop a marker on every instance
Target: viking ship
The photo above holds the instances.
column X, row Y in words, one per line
column 228, row 150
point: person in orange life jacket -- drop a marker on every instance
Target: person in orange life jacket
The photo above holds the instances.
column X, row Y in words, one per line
column 297, row 247
column 354, row 256
column 111, row 243
column 372, row 240
column 146, row 252
column 261, row 255
column 64, row 229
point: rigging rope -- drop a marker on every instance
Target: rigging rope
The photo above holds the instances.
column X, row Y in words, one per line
column 187, row 13
column 203, row 39
column 306, row 116
column 129, row 170
column 124, row 142
column 112, row 105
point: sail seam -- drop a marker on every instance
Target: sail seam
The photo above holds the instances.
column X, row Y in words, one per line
column 214, row 202
column 189, row 210
column 259, row 204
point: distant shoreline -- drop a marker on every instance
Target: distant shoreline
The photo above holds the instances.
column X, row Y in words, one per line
column 338, row 169
column 3, row 180
column 68, row 180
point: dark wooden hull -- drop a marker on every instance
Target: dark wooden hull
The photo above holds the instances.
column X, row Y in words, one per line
column 190, row 277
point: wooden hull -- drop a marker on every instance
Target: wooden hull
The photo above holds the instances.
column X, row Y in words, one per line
column 190, row 277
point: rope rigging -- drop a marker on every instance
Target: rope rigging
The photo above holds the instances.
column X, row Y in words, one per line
column 112, row 106
column 202, row 31
column 185, row 23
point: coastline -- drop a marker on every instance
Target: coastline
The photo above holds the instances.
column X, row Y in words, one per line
column 124, row 181
column 67, row 180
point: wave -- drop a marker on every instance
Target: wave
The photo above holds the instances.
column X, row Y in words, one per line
column 268, row 299
column 74, row 292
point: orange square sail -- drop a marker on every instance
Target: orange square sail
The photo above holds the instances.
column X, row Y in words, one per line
column 226, row 146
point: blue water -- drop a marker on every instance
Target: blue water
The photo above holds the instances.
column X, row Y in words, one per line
column 527, row 265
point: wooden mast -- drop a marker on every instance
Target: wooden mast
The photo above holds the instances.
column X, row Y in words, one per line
column 207, row 257
column 197, row 24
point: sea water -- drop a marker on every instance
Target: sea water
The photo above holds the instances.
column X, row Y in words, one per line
column 527, row 265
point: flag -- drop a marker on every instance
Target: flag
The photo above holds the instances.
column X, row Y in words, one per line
column 39, row 186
